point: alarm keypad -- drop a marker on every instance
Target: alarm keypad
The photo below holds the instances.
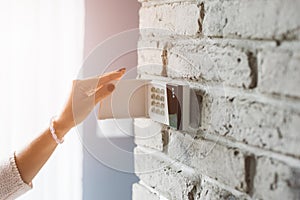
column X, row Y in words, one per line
column 157, row 100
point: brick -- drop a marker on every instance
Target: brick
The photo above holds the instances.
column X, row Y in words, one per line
column 290, row 45
column 148, row 133
column 259, row 19
column 149, row 58
column 173, row 18
column 203, row 61
column 141, row 192
column 276, row 180
column 218, row 162
column 167, row 177
column 257, row 122
column 212, row 191
column 210, row 64
column 280, row 72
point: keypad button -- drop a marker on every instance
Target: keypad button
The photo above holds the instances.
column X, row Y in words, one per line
column 162, row 105
column 157, row 90
column 152, row 96
column 157, row 97
column 162, row 98
column 153, row 89
column 153, row 103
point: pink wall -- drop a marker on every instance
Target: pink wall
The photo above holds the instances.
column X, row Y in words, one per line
column 105, row 18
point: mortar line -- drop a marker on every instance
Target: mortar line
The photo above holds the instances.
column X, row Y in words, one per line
column 289, row 160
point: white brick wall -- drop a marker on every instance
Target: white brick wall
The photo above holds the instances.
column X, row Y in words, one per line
column 243, row 59
column 247, row 118
column 142, row 192
column 287, row 71
column 170, row 17
column 257, row 19
column 162, row 174
column 275, row 180
column 204, row 156
column 149, row 134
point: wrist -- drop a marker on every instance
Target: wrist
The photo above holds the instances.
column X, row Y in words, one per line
column 61, row 129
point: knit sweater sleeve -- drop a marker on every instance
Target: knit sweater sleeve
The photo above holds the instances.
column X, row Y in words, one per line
column 11, row 183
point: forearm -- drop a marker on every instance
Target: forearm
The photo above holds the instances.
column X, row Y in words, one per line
column 35, row 155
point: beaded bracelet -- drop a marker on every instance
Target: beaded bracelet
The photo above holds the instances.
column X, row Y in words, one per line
column 52, row 130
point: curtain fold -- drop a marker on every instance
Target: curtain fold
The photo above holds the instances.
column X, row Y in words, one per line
column 41, row 50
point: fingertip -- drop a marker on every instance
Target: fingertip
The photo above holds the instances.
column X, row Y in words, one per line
column 122, row 69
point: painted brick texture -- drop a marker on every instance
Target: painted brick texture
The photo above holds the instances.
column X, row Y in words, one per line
column 243, row 59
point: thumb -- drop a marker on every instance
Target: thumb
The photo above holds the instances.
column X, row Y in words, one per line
column 103, row 92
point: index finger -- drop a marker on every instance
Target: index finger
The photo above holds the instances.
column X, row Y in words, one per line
column 106, row 78
column 98, row 81
column 93, row 83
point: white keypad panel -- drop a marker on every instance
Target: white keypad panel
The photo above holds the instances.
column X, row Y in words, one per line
column 157, row 104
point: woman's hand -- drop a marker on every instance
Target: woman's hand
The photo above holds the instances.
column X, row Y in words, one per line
column 85, row 94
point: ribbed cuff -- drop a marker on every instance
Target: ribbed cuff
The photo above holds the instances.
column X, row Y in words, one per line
column 12, row 185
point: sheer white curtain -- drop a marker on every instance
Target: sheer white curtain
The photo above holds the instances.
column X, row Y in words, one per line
column 41, row 48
